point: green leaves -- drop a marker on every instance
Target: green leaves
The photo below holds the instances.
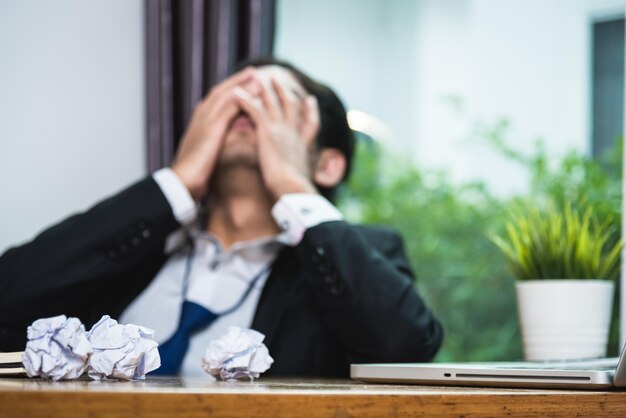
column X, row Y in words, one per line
column 559, row 243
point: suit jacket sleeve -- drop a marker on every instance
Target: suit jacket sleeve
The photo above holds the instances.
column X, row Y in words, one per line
column 91, row 264
column 366, row 291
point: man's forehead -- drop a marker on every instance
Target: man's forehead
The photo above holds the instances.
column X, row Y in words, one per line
column 282, row 75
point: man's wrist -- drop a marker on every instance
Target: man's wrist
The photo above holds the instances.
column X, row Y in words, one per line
column 195, row 190
column 178, row 196
column 294, row 186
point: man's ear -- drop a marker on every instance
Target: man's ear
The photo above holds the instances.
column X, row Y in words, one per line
column 330, row 168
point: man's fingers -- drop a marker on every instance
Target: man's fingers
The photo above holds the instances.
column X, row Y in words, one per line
column 228, row 84
column 236, row 79
column 217, row 106
column 289, row 103
column 226, row 114
column 249, row 104
column 311, row 119
column 252, row 87
column 271, row 102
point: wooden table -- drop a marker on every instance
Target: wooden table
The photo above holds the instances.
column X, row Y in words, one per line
column 163, row 397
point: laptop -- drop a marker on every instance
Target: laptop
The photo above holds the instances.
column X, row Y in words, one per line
column 577, row 374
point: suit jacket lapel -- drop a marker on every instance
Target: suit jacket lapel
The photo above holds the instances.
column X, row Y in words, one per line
column 277, row 295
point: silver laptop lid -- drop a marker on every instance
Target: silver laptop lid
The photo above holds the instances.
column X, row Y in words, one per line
column 592, row 373
column 619, row 379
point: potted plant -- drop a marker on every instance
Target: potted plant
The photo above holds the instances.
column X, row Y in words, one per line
column 565, row 261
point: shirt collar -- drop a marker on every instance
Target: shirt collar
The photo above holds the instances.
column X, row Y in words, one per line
column 255, row 249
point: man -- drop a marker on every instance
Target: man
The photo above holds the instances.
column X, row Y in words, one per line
column 269, row 253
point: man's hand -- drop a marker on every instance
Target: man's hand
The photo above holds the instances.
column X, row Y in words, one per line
column 286, row 127
column 202, row 142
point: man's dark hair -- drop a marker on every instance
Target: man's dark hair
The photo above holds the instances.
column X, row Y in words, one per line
column 334, row 130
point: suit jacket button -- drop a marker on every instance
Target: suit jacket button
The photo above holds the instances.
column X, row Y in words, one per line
column 145, row 233
column 320, row 251
column 135, row 241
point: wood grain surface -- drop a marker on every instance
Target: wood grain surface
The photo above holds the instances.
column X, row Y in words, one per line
column 168, row 397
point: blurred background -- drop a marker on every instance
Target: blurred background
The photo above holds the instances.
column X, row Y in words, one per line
column 463, row 107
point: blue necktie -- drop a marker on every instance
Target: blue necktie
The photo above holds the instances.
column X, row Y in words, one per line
column 193, row 318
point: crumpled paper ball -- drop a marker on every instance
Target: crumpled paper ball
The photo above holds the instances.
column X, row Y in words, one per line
column 122, row 352
column 57, row 348
column 238, row 354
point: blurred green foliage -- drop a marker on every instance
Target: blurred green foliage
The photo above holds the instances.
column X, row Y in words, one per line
column 575, row 179
column 461, row 273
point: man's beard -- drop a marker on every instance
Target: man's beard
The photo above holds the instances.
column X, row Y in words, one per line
column 237, row 170
column 240, row 152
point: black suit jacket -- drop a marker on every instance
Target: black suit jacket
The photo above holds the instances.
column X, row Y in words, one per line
column 344, row 294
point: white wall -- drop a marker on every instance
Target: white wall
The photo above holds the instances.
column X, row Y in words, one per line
column 399, row 60
column 72, row 109
column 527, row 61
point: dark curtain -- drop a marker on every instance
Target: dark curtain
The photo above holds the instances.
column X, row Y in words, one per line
column 191, row 45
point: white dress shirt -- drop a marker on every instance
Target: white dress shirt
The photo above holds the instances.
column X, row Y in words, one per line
column 216, row 278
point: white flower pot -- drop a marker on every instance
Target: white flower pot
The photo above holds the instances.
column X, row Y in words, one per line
column 564, row 319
